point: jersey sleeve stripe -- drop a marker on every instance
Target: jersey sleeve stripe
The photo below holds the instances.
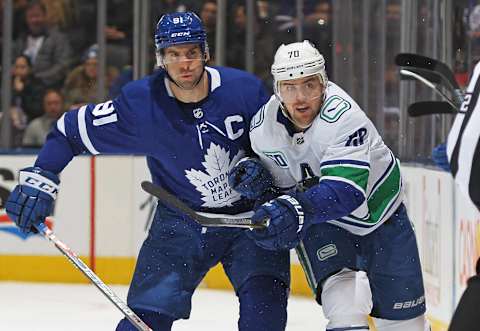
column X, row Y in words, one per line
column 337, row 162
column 386, row 194
column 385, row 174
column 61, row 125
column 82, row 128
column 359, row 176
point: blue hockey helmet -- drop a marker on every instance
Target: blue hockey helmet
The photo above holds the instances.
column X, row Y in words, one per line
column 179, row 28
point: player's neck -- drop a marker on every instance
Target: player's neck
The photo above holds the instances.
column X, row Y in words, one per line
column 199, row 92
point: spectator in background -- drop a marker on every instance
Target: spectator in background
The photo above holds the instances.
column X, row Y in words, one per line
column 36, row 132
column 119, row 33
column 19, row 25
column 60, row 13
column 26, row 98
column 80, row 27
column 47, row 48
column 27, row 90
column 286, row 19
column 160, row 8
column 125, row 76
column 318, row 29
column 81, row 84
column 263, row 47
column 208, row 14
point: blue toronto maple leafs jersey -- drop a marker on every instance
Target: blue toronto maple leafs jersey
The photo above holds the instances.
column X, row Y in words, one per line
column 189, row 149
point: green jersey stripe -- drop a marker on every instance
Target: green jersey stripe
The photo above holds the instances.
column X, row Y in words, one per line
column 357, row 175
column 385, row 194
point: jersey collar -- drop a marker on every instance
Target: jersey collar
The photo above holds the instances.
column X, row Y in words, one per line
column 282, row 119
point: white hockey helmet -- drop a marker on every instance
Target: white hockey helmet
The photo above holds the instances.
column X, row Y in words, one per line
column 297, row 60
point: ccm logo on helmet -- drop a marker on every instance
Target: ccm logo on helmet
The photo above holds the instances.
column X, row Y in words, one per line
column 180, row 34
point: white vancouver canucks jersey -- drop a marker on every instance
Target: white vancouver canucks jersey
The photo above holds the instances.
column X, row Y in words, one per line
column 342, row 145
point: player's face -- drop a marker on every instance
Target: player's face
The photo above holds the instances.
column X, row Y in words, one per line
column 302, row 98
column 184, row 64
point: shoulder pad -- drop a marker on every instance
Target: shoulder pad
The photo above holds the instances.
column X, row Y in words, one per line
column 270, row 108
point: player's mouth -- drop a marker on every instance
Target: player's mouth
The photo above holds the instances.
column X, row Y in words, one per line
column 186, row 76
column 302, row 109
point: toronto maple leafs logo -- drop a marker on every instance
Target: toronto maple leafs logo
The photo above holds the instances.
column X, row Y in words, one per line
column 213, row 182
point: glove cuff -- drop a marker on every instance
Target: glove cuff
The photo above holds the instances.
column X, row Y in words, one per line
column 39, row 179
column 296, row 207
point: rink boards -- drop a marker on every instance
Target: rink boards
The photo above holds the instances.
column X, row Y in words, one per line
column 102, row 213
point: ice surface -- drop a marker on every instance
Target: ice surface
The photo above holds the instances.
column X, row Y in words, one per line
column 66, row 307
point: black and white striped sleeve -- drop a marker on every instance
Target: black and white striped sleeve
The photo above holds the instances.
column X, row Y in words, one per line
column 463, row 148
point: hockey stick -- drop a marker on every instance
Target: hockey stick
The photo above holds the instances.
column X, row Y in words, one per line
column 77, row 262
column 216, row 220
column 427, row 74
column 424, row 62
column 429, row 84
column 422, row 108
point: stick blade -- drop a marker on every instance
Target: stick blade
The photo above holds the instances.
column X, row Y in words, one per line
column 424, row 108
column 429, row 75
column 414, row 60
column 424, row 62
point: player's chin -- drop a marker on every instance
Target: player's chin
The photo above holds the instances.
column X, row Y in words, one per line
column 305, row 118
column 186, row 83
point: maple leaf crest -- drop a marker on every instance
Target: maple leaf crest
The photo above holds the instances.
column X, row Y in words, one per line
column 213, row 182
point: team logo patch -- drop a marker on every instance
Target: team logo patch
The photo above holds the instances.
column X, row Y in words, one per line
column 333, row 108
column 213, row 182
column 326, row 252
column 198, row 113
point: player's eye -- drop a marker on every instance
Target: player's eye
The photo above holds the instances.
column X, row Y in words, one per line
column 193, row 54
column 310, row 86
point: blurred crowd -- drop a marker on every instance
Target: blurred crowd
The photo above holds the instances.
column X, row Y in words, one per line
column 55, row 54
column 54, row 51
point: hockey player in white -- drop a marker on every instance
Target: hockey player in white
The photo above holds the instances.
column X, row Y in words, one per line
column 342, row 207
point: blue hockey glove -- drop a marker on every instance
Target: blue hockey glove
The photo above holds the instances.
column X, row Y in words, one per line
column 287, row 220
column 439, row 156
column 32, row 200
column 250, row 178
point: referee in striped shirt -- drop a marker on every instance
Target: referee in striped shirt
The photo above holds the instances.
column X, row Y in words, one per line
column 463, row 152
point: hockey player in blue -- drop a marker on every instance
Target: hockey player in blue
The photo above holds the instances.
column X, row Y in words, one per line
column 191, row 121
column 342, row 204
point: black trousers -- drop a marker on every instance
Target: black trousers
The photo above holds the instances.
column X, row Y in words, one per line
column 467, row 314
